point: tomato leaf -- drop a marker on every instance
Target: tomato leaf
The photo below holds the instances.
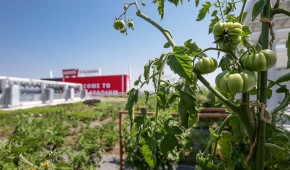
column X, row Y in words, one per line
column 214, row 136
column 258, row 8
column 282, row 89
column 147, row 152
column 284, row 103
column 193, row 48
column 205, row 163
column 268, row 93
column 203, row 11
column 131, row 101
column 170, row 128
column 137, row 81
column 238, row 130
column 224, row 148
column 187, row 106
column 175, row 2
column 166, row 45
column 180, row 50
column 244, row 16
column 288, row 50
column 147, row 70
column 284, row 78
column 196, row 3
column 173, row 98
column 213, row 22
column 271, row 84
column 181, row 65
column 161, row 8
column 168, row 143
column 183, row 113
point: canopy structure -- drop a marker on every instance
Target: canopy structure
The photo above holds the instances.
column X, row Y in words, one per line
column 281, row 29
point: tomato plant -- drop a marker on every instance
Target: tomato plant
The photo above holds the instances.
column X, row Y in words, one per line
column 247, row 117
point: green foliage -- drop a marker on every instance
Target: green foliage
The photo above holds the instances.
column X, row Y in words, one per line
column 203, row 11
column 284, row 78
column 64, row 135
column 258, row 8
column 181, row 65
column 227, row 148
column 150, row 154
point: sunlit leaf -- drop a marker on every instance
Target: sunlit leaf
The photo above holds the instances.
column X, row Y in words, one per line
column 180, row 50
column 166, row 45
column 193, row 48
column 161, row 7
column 213, row 22
column 131, row 101
column 203, row 11
column 147, row 153
column 181, row 65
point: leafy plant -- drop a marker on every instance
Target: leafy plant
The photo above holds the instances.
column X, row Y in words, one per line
column 250, row 121
column 58, row 137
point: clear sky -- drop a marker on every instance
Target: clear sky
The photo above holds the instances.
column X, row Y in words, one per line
column 37, row 36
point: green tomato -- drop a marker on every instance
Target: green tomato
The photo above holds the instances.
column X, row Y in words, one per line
column 119, row 24
column 236, row 83
column 218, row 28
column 130, row 24
column 250, row 80
column 271, row 57
column 227, row 35
column 123, row 30
column 221, row 82
column 206, row 65
column 262, row 61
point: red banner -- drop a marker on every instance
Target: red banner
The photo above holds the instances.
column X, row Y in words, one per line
column 103, row 85
column 70, row 73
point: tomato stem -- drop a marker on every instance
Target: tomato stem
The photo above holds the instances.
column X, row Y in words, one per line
column 246, row 117
column 218, row 49
column 262, row 81
column 165, row 32
column 242, row 11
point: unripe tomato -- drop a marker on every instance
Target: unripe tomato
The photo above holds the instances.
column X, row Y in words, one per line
column 236, row 83
column 261, row 61
column 123, row 30
column 119, row 24
column 130, row 24
column 206, row 65
column 227, row 35
column 271, row 57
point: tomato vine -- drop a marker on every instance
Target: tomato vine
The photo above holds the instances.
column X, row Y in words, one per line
column 233, row 40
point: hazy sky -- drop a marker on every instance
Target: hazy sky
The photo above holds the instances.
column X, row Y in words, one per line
column 37, row 36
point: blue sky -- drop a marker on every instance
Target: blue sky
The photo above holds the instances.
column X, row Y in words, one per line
column 37, row 36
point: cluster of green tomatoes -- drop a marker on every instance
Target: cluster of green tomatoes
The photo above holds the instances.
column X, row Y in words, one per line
column 120, row 25
column 228, row 36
